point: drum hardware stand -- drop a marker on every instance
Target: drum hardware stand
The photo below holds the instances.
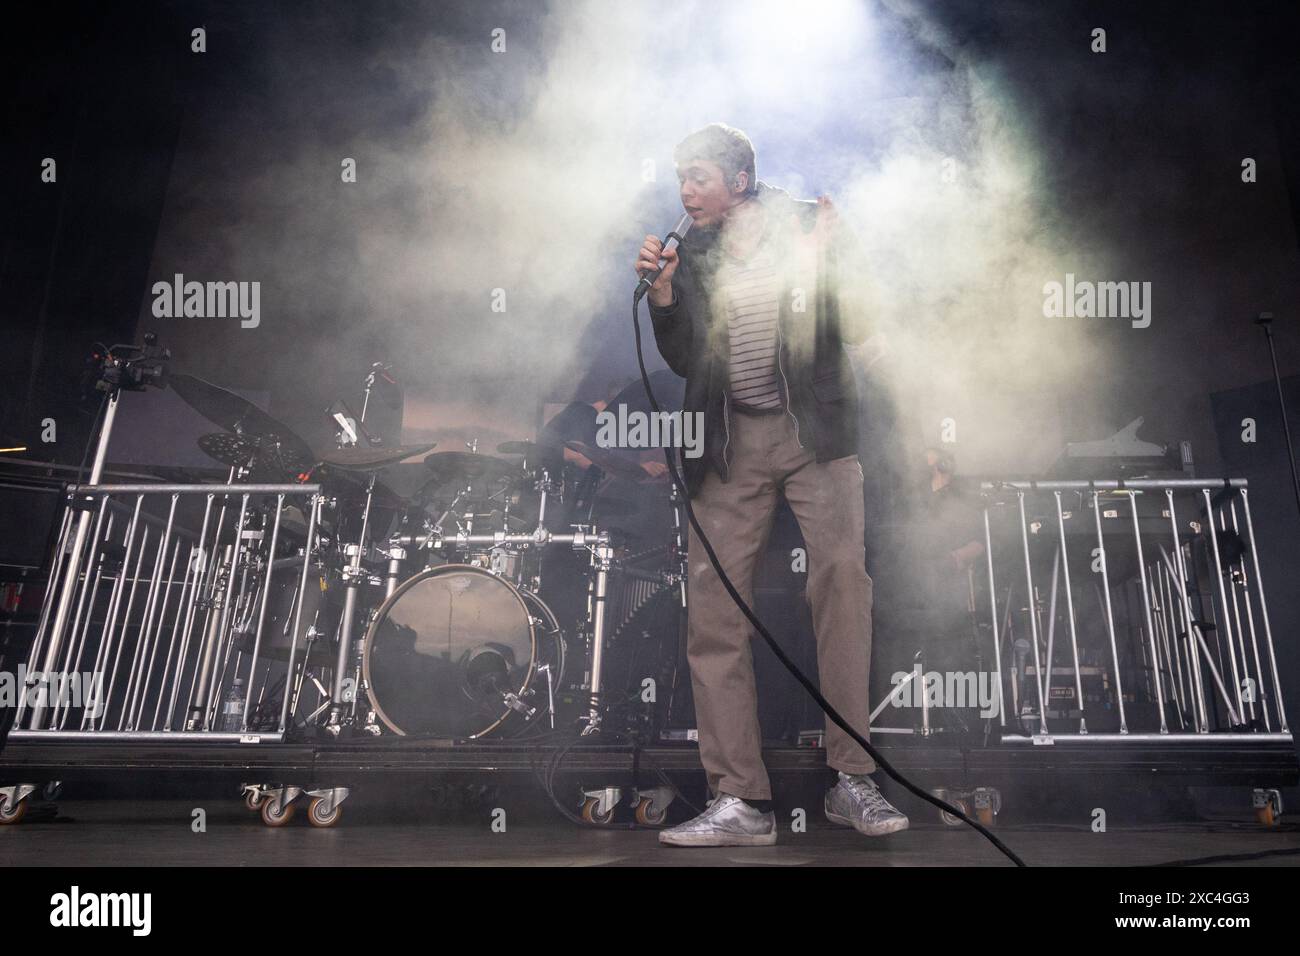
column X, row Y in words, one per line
column 436, row 530
column 545, row 488
column 550, row 689
column 371, row 723
column 225, row 637
column 243, row 624
column 221, row 642
column 602, row 559
column 210, row 682
column 300, row 677
column 375, row 369
column 325, row 701
column 350, row 431
column 216, row 607
column 396, row 554
column 261, row 694
column 513, row 701
column 352, row 575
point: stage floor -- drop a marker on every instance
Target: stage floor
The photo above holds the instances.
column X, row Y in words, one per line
column 159, row 833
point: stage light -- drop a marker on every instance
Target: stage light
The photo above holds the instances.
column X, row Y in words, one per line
column 782, row 52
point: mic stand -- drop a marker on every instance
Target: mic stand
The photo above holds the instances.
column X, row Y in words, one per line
column 1265, row 321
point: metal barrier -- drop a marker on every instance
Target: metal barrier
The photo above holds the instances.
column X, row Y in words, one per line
column 163, row 591
column 1157, row 587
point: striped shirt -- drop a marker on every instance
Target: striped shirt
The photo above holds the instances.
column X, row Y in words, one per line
column 750, row 296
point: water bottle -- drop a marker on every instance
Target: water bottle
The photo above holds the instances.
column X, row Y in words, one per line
column 232, row 707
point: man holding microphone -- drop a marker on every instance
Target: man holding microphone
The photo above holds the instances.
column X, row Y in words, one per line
column 753, row 310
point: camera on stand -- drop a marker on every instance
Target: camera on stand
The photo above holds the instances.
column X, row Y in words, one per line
column 131, row 367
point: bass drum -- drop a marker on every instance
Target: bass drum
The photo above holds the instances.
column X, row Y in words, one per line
column 458, row 652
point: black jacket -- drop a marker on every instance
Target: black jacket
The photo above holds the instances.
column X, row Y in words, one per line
column 823, row 305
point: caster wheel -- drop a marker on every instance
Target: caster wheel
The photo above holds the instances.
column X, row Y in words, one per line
column 1264, row 815
column 955, row 821
column 277, row 818
column 253, row 800
column 985, row 816
column 650, row 817
column 11, row 815
column 52, row 791
column 591, row 814
column 319, row 818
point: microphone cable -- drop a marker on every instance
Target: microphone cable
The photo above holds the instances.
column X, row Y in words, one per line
column 753, row 618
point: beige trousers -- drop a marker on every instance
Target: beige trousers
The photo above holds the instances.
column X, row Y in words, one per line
column 826, row 498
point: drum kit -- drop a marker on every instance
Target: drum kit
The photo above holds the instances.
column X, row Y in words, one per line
column 494, row 601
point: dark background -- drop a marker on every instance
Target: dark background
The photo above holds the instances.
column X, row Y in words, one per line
column 168, row 160
column 153, row 140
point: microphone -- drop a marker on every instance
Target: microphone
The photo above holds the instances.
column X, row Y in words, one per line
column 671, row 241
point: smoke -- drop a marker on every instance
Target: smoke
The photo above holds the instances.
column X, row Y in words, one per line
column 536, row 205
column 962, row 237
column 510, row 162
column 518, row 207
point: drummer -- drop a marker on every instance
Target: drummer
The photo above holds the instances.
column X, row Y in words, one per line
column 577, row 422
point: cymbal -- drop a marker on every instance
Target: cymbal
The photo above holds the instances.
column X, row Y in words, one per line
column 240, row 416
column 369, row 459
column 608, row 460
column 238, row 451
column 462, row 465
column 227, row 448
column 529, row 449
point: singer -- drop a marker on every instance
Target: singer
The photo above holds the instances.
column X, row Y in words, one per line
column 753, row 309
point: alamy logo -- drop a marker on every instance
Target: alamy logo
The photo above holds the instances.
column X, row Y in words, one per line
column 64, row 689
column 637, row 429
column 103, row 909
column 946, row 689
column 1101, row 300
column 208, row 300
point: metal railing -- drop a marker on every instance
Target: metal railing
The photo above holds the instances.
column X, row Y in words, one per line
column 1155, row 589
column 158, row 602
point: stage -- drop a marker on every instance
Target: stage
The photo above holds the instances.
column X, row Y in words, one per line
column 446, row 790
column 158, row 833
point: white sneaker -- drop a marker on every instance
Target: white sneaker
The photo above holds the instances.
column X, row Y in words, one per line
column 857, row 802
column 729, row 821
